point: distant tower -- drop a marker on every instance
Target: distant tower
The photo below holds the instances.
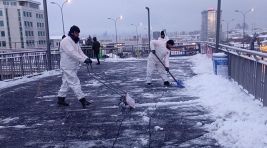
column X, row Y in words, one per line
column 208, row 25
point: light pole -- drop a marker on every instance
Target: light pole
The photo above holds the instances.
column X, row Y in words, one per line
column 136, row 34
column 115, row 22
column 61, row 10
column 218, row 28
column 244, row 22
column 48, row 51
column 148, row 23
column 227, row 27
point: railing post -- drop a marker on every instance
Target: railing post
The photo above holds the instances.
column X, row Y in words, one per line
column 21, row 64
column 1, row 69
column 30, row 62
column 37, row 63
column 12, row 67
column 264, row 99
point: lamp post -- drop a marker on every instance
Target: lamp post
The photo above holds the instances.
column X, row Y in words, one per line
column 218, row 28
column 148, row 24
column 244, row 22
column 61, row 10
column 115, row 22
column 48, row 51
column 227, row 27
column 136, row 33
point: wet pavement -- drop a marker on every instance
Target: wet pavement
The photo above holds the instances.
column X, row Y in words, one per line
column 164, row 116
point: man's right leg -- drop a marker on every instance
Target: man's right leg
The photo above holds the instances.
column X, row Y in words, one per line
column 63, row 91
column 74, row 84
column 163, row 75
column 149, row 70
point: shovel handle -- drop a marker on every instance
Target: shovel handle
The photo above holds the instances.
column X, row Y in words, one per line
column 114, row 90
column 165, row 67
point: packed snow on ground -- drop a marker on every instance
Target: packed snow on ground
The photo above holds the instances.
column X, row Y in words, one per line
column 115, row 58
column 240, row 120
column 29, row 78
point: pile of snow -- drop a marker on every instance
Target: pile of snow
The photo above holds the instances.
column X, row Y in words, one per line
column 240, row 120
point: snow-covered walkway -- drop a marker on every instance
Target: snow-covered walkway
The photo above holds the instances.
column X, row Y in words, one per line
column 210, row 112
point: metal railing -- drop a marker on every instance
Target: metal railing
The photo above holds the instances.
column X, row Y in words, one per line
column 123, row 51
column 141, row 50
column 16, row 64
column 246, row 67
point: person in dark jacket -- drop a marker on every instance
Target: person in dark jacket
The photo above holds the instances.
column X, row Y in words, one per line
column 96, row 48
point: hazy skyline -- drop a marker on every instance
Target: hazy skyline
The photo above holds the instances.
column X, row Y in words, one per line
column 173, row 15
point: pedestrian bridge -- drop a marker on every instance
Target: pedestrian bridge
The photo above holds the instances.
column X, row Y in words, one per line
column 164, row 116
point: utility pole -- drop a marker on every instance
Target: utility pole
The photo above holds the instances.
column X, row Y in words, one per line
column 218, row 28
column 148, row 16
column 48, row 51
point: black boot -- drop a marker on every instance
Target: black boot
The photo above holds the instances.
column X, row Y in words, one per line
column 167, row 83
column 84, row 102
column 61, row 101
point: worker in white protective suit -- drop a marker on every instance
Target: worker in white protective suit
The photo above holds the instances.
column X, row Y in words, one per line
column 162, row 50
column 71, row 56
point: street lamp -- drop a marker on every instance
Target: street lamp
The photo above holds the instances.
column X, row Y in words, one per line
column 136, row 33
column 48, row 51
column 227, row 27
column 244, row 21
column 115, row 22
column 148, row 24
column 218, row 26
column 61, row 10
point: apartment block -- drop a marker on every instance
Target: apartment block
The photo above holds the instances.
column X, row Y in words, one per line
column 22, row 25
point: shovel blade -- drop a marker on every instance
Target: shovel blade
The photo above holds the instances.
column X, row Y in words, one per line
column 180, row 84
column 130, row 101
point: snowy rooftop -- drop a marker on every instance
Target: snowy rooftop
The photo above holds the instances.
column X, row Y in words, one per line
column 210, row 112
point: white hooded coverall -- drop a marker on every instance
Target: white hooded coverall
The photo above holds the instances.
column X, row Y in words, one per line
column 154, row 64
column 166, row 38
column 70, row 57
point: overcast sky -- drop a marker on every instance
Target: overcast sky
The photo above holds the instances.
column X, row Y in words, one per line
column 174, row 15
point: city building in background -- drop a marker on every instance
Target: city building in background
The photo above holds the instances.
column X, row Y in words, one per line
column 208, row 25
column 22, row 24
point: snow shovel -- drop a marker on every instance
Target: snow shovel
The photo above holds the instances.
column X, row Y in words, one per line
column 125, row 99
column 178, row 82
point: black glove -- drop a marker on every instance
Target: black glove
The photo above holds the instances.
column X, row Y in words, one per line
column 153, row 51
column 167, row 69
column 88, row 61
